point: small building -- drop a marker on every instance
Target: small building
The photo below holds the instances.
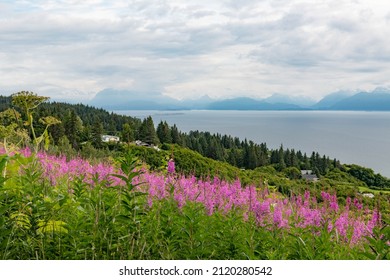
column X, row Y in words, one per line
column 369, row 195
column 110, row 139
column 140, row 143
column 309, row 175
column 156, row 148
column 143, row 144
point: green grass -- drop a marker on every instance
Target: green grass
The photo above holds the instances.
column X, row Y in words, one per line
column 375, row 192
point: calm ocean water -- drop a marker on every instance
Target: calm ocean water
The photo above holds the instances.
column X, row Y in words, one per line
column 352, row 137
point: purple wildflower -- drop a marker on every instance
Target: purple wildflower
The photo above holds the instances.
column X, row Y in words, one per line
column 171, row 166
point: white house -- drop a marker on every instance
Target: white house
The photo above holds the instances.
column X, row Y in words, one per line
column 110, row 138
column 369, row 195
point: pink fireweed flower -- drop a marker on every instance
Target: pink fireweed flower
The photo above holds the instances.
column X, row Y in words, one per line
column 325, row 196
column 307, row 199
column 341, row 224
column 298, row 201
column 262, row 211
column 278, row 219
column 357, row 204
column 278, row 216
column 330, row 227
column 26, row 152
column 359, row 230
column 309, row 217
column 179, row 198
column 331, row 199
column 252, row 197
column 375, row 220
column 189, row 187
column 347, row 203
column 171, row 166
column 333, row 203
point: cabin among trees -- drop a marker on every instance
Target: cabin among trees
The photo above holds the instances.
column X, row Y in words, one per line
column 309, row 175
column 110, row 139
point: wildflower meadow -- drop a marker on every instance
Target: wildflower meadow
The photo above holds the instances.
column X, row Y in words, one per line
column 57, row 208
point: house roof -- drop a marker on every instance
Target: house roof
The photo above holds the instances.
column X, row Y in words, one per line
column 308, row 175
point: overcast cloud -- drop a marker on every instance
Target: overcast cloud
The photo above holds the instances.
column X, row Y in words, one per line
column 185, row 49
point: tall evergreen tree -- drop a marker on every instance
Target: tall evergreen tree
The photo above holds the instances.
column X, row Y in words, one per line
column 281, row 163
column 306, row 162
column 176, row 137
column 274, row 159
column 231, row 159
column 147, row 131
column 250, row 156
column 287, row 158
column 56, row 132
column 96, row 134
column 73, row 126
column 214, row 150
column 127, row 133
column 294, row 159
column 164, row 132
column 237, row 142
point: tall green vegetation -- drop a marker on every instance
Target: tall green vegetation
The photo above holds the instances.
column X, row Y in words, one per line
column 10, row 132
column 28, row 102
column 367, row 175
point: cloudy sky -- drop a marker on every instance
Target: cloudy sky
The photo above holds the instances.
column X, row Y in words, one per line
column 185, row 49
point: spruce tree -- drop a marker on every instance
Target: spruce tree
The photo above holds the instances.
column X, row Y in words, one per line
column 164, row 132
column 147, row 132
column 127, row 133
column 282, row 163
column 176, row 137
column 96, row 134
column 73, row 126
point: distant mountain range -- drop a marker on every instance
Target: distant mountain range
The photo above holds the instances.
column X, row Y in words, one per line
column 244, row 103
column 111, row 99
